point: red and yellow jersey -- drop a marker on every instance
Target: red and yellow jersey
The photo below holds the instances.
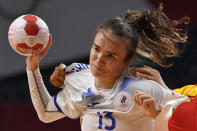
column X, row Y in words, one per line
column 190, row 90
column 184, row 117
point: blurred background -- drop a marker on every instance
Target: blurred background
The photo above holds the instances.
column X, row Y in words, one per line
column 72, row 24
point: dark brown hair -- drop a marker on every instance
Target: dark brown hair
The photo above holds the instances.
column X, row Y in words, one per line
column 150, row 33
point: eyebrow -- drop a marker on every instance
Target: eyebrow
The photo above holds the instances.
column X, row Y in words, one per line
column 96, row 45
column 107, row 50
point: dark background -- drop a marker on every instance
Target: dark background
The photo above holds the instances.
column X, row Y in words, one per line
column 72, row 24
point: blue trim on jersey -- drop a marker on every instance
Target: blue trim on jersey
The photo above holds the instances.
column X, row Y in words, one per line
column 74, row 118
column 88, row 93
column 57, row 106
column 124, row 83
column 90, row 99
column 76, row 67
column 93, row 104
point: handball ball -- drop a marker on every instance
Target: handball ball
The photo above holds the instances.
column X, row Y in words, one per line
column 28, row 35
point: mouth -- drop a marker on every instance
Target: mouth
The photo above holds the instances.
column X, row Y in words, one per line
column 97, row 68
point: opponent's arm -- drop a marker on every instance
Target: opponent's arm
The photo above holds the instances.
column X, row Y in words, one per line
column 161, row 121
column 149, row 74
column 42, row 101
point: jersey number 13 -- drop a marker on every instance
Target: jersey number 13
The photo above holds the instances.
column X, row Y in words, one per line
column 106, row 115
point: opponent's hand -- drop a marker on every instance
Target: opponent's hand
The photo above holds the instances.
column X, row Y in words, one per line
column 146, row 103
column 149, row 73
column 175, row 100
column 34, row 60
column 161, row 121
column 58, row 76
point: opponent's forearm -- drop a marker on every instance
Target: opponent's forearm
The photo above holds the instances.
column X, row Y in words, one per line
column 41, row 99
column 161, row 121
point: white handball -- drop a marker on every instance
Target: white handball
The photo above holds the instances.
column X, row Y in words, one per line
column 28, row 35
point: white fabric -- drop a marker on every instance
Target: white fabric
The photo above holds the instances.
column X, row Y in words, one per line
column 161, row 121
column 98, row 109
column 176, row 102
column 113, row 110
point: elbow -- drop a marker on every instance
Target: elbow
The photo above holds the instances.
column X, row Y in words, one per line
column 44, row 119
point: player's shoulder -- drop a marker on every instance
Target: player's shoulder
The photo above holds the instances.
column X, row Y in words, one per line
column 78, row 74
column 137, row 81
column 134, row 83
column 76, row 67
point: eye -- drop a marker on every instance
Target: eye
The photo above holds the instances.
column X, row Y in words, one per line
column 110, row 55
column 96, row 49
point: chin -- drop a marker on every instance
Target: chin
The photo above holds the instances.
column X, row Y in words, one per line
column 95, row 73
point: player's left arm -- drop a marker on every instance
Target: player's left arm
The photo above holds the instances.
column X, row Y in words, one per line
column 147, row 106
column 152, row 88
column 146, row 103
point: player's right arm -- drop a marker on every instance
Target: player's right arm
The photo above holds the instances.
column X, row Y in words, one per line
column 42, row 101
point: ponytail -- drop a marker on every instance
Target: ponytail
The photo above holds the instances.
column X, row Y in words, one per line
column 159, row 36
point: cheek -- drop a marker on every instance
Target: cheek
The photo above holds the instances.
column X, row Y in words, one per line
column 92, row 56
column 115, row 68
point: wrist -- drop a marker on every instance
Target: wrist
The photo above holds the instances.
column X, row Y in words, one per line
column 155, row 114
column 32, row 68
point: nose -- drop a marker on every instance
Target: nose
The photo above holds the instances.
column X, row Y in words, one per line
column 100, row 59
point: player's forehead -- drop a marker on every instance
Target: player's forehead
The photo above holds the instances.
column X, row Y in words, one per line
column 109, row 42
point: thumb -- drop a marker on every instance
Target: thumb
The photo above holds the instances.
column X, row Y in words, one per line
column 62, row 66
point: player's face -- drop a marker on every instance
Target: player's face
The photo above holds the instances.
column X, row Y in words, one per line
column 107, row 56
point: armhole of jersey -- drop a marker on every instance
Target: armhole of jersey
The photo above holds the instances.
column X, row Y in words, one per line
column 57, row 106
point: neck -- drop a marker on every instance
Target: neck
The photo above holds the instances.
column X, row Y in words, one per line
column 105, row 84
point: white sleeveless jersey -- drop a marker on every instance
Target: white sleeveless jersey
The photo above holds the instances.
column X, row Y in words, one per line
column 106, row 109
